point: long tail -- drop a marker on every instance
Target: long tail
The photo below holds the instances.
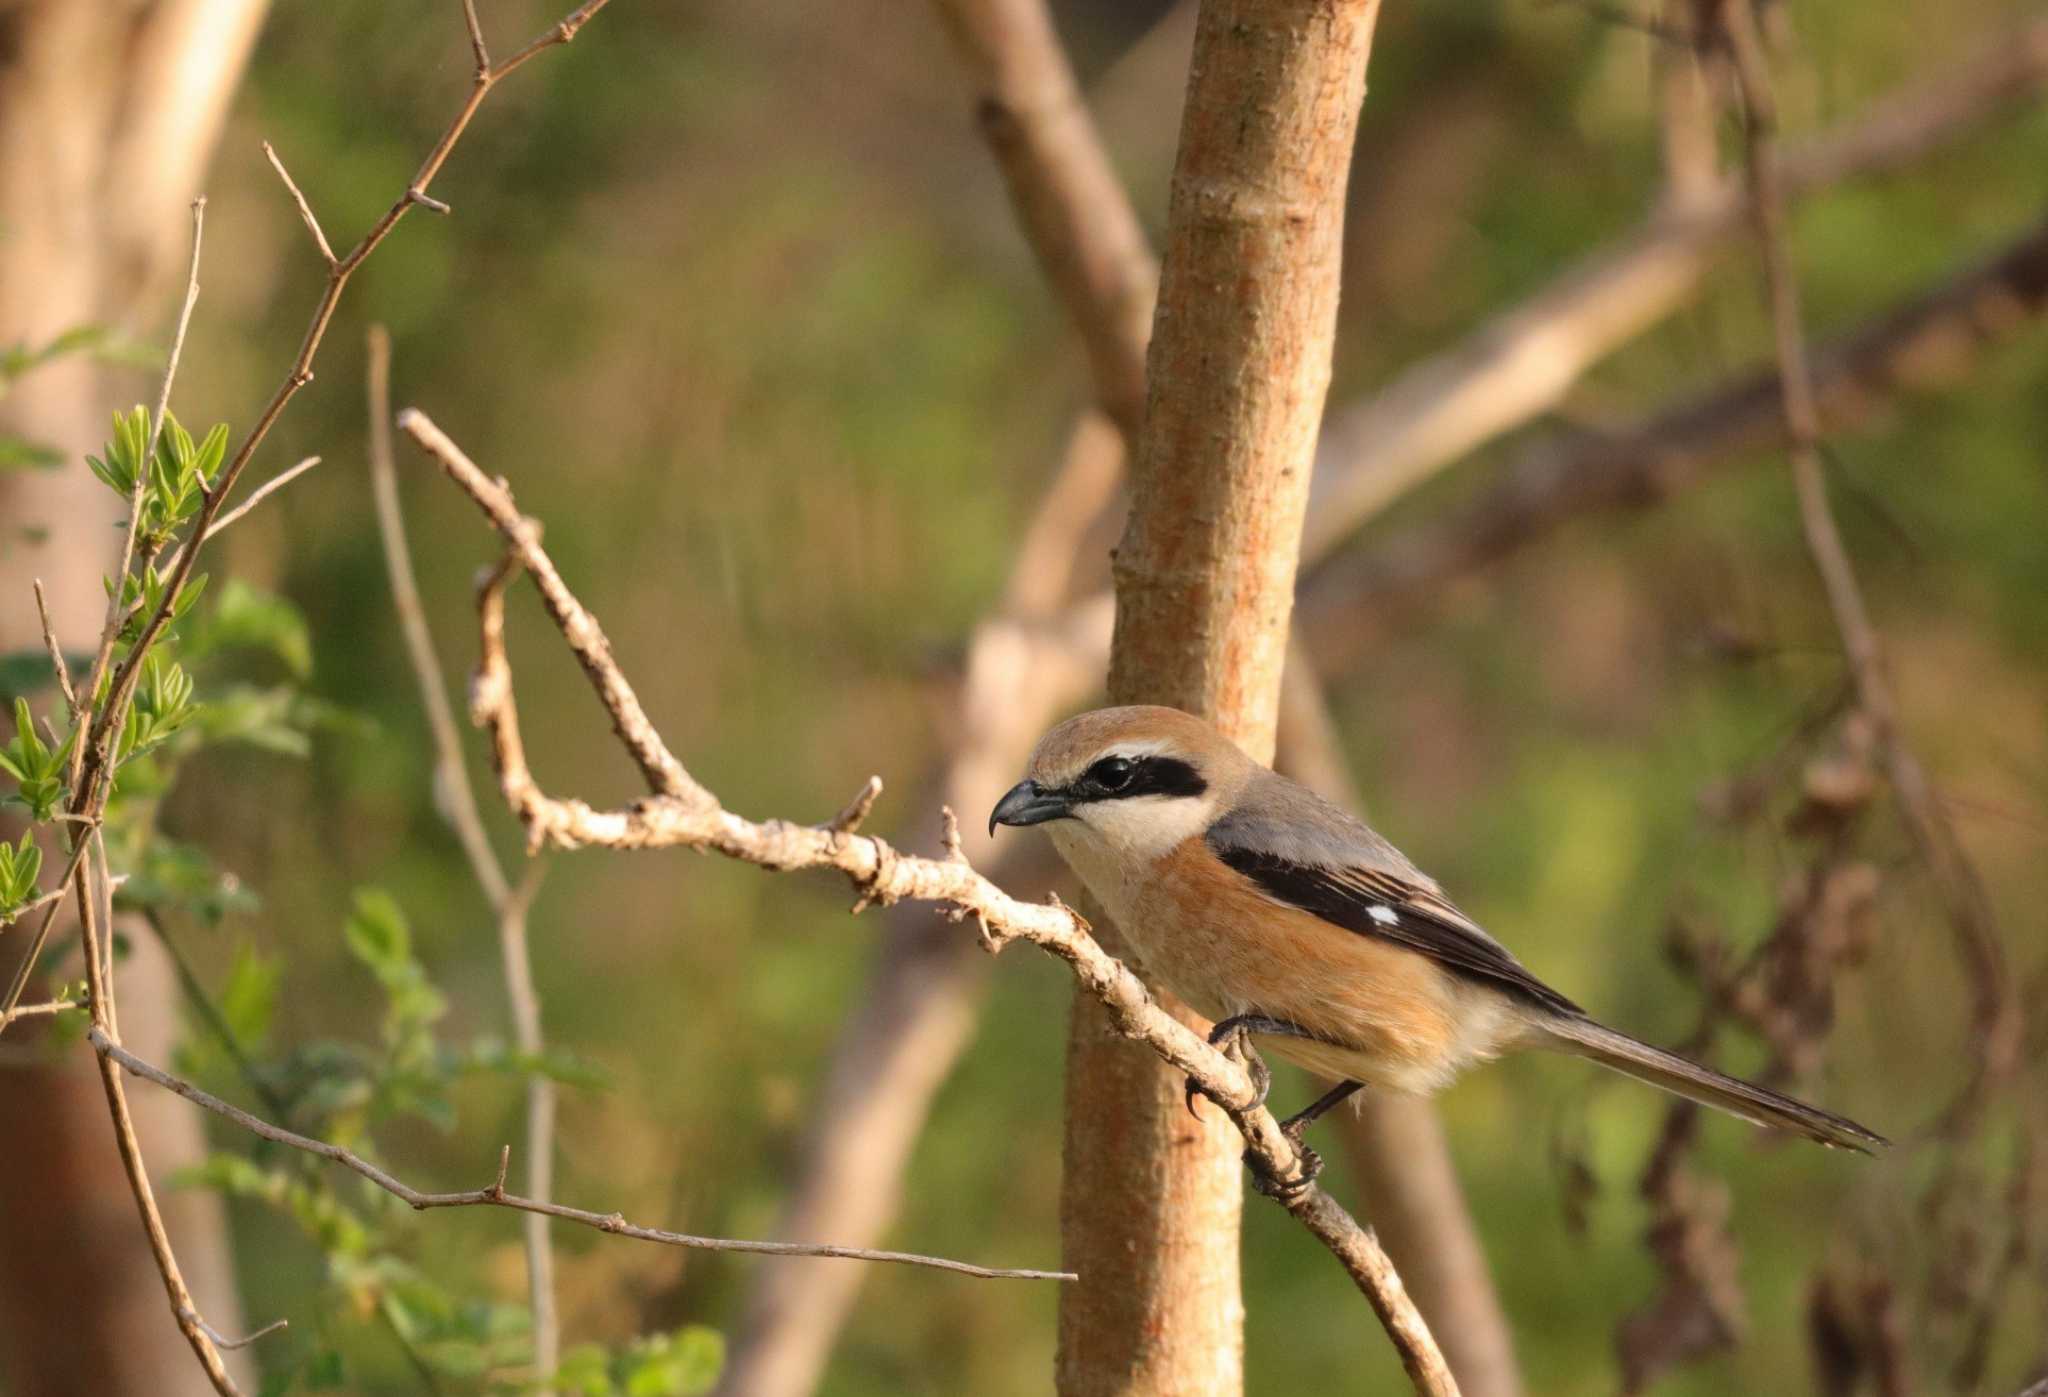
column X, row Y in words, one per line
column 1757, row 1105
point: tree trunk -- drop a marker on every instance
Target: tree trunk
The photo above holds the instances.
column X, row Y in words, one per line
column 1236, row 377
column 113, row 110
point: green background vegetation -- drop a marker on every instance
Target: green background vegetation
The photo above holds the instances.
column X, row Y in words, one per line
column 733, row 297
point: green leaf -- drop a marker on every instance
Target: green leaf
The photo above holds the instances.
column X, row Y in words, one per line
column 377, row 933
column 585, row 1371
column 212, row 451
column 247, row 617
column 249, row 999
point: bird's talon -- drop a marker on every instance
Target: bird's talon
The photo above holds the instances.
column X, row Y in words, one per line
column 1285, row 1190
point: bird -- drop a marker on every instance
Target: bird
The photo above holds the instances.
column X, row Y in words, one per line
column 1277, row 915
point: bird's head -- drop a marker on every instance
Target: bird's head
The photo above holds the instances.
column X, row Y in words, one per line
column 1131, row 782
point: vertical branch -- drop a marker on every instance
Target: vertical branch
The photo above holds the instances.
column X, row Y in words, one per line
column 456, row 800
column 1238, row 369
column 1998, row 1019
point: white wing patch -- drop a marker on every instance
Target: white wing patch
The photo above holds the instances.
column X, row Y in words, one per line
column 1383, row 914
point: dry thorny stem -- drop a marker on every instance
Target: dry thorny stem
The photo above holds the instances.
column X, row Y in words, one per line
column 1998, row 1024
column 100, row 718
column 682, row 814
column 1783, row 991
column 456, row 800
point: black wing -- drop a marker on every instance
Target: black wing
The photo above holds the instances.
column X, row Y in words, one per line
column 1375, row 903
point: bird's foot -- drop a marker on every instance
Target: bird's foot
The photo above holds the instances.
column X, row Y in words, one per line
column 1235, row 1032
column 1280, row 1188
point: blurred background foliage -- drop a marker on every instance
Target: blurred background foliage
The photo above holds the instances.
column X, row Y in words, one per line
column 732, row 295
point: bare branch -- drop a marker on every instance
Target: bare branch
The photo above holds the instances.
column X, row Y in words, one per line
column 224, row 1342
column 564, row 31
column 917, row 1010
column 49, row 902
column 56, row 652
column 483, row 69
column 1928, row 339
column 665, row 775
column 257, row 496
column 855, row 814
column 1521, row 363
column 456, row 800
column 494, row 1194
column 96, row 944
column 297, row 377
column 1999, row 1021
column 882, row 874
column 44, row 1009
column 305, row 209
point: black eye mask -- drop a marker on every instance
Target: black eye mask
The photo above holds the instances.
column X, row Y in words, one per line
column 1120, row 778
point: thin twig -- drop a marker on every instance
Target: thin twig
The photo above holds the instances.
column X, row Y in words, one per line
column 301, row 373
column 495, row 1195
column 36, row 1011
column 455, row 798
column 305, row 209
column 110, row 627
column 95, row 941
column 483, row 66
column 224, row 1342
column 882, row 874
column 92, row 759
column 1998, row 1018
column 49, row 902
column 56, row 652
column 664, row 774
column 256, row 497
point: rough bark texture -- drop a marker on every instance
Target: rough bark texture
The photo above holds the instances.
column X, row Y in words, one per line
column 112, row 110
column 1237, row 373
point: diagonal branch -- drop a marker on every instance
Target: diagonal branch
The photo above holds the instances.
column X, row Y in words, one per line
column 114, row 1057
column 1923, row 341
column 1522, row 362
column 882, row 874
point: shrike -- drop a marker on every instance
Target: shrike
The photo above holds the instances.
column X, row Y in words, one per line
column 1274, row 913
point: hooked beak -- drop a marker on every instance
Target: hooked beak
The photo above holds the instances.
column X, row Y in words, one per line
column 1028, row 804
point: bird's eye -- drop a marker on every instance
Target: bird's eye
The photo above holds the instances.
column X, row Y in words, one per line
column 1112, row 773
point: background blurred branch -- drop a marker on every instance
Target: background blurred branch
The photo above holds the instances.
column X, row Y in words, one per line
column 1999, row 1025
column 1929, row 339
column 456, row 800
column 1522, row 362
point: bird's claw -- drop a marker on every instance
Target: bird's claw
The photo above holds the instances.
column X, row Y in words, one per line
column 1254, row 1066
column 1285, row 1189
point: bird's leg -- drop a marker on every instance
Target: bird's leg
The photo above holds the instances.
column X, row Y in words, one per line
column 1292, row 1128
column 1238, row 1026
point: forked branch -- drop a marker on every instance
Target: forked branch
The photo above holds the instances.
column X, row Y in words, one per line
column 879, row 873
